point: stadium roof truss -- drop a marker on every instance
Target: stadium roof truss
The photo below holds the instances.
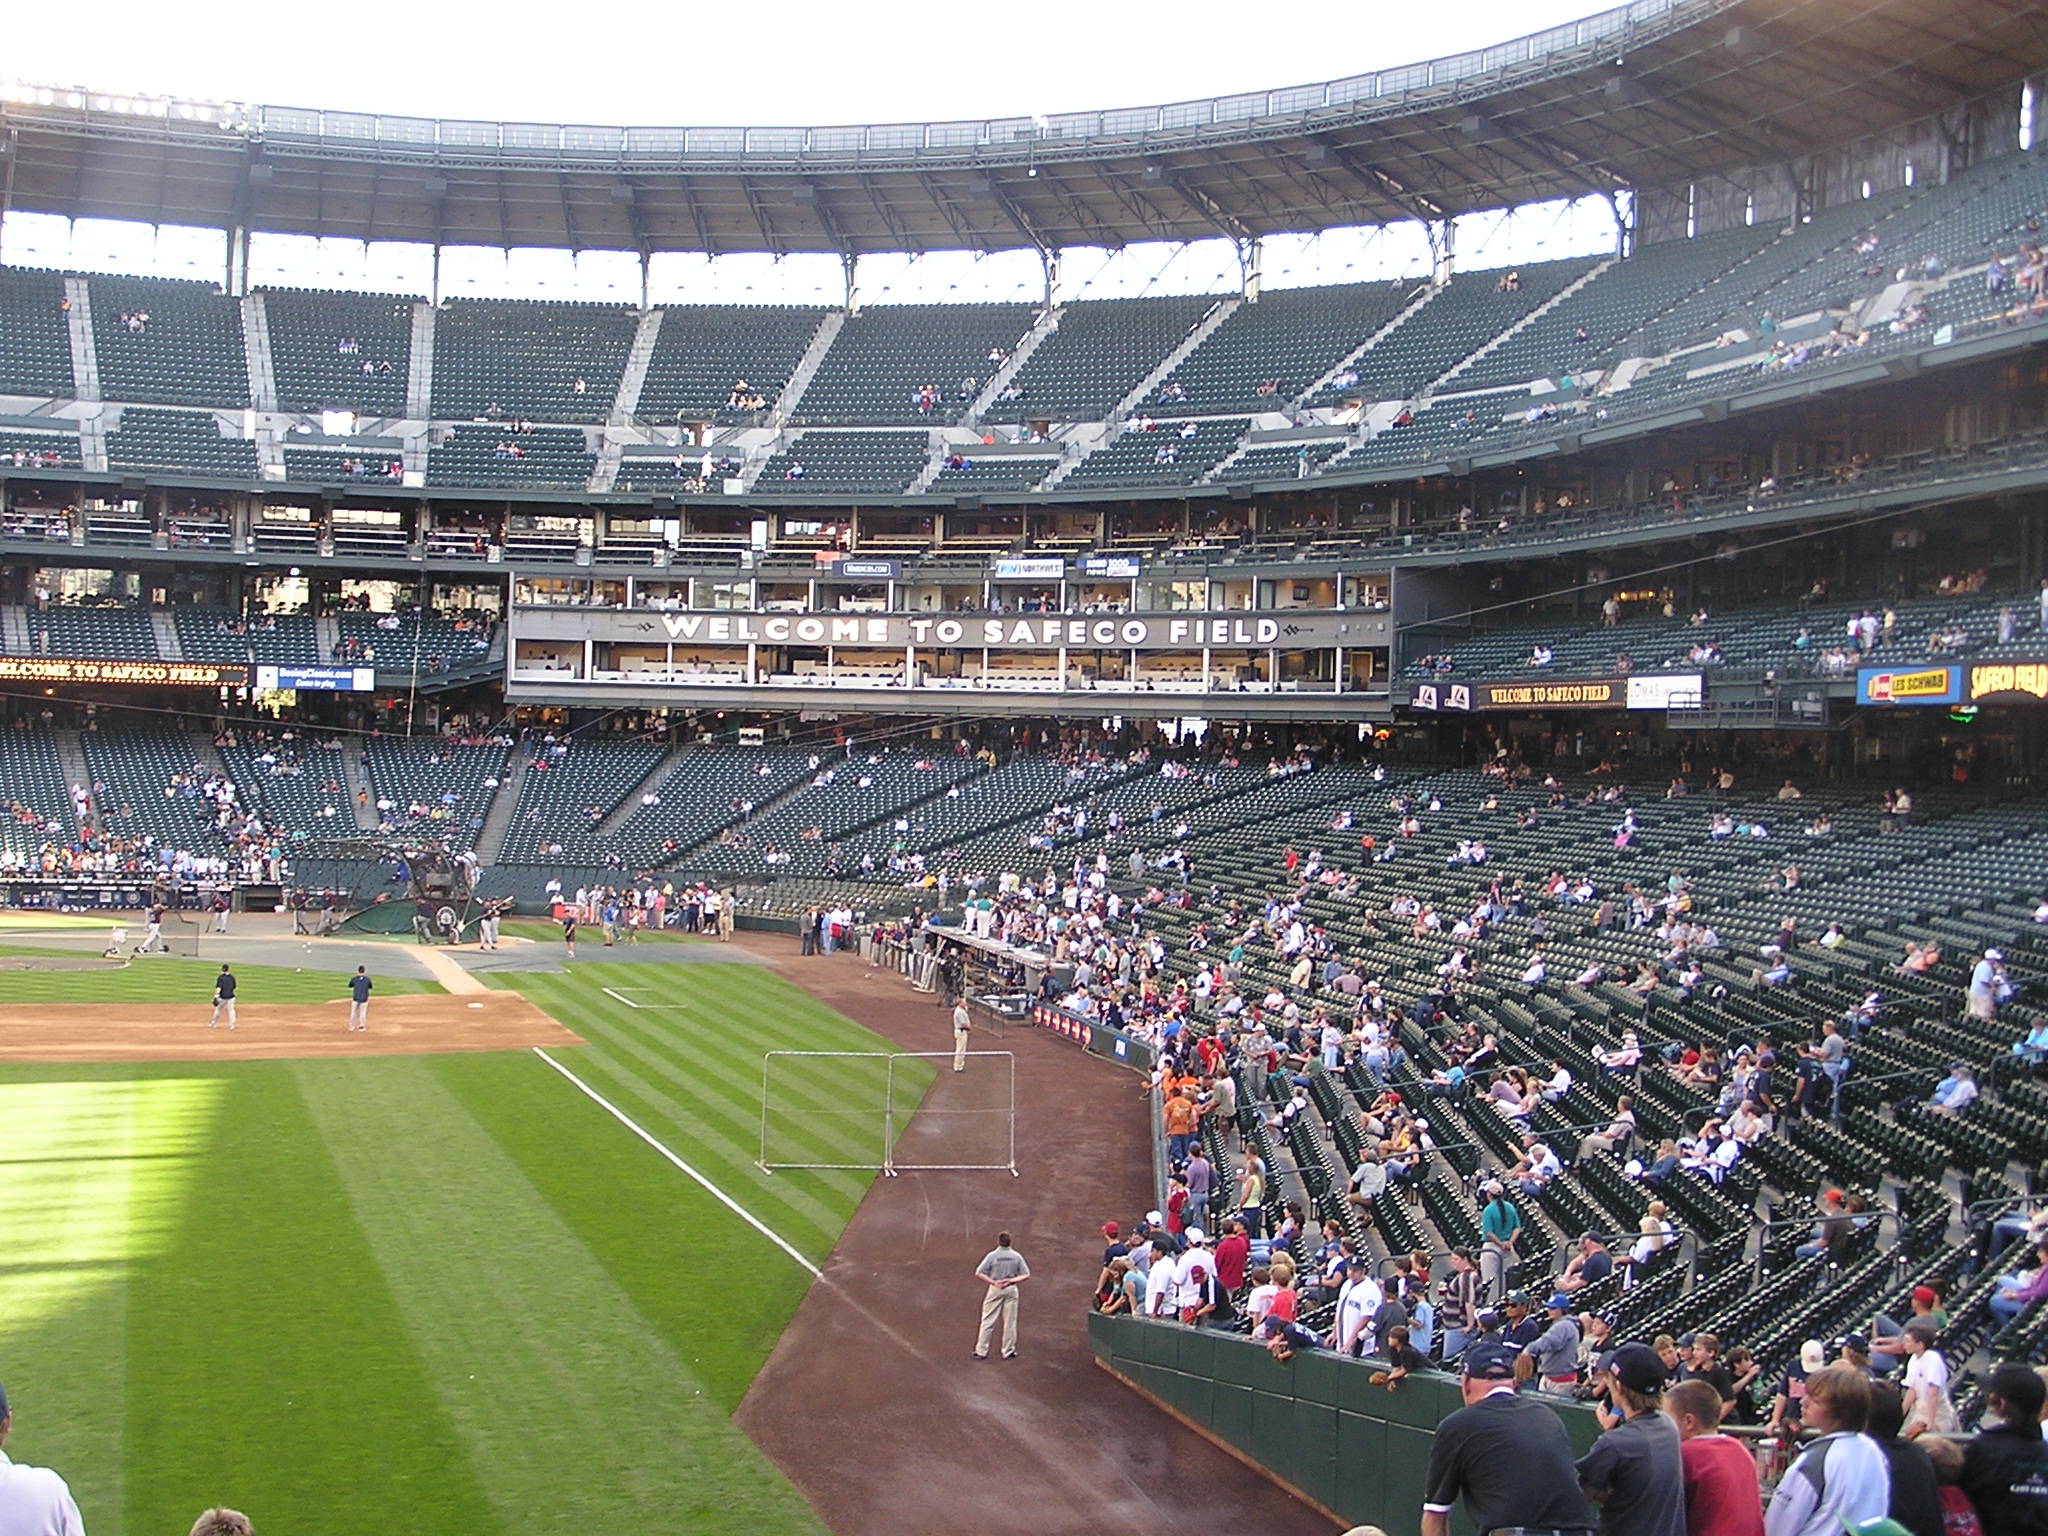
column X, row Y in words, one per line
column 1656, row 94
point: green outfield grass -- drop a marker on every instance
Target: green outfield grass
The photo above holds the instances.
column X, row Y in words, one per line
column 423, row 1296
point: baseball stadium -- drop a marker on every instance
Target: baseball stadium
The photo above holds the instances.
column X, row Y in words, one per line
column 1318, row 809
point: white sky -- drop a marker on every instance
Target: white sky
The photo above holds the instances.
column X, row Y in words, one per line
column 794, row 62
column 814, row 62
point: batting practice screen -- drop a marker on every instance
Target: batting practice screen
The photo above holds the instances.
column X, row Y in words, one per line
column 889, row 1111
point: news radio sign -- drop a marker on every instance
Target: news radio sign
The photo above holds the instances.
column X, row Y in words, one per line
column 1112, row 567
column 1909, row 685
column 317, row 679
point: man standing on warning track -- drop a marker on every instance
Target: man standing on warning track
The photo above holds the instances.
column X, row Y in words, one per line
column 961, row 1025
column 359, row 999
column 223, row 997
column 1003, row 1271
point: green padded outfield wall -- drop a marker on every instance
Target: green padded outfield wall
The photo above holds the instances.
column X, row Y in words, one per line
column 1316, row 1424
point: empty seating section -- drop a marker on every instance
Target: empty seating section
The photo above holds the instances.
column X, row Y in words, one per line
column 1021, row 790
column 35, row 335
column 1756, row 637
column 821, row 463
column 571, row 785
column 118, row 633
column 297, row 784
column 991, row 475
column 541, row 361
column 384, row 464
column 704, row 352
column 433, row 788
column 708, row 788
column 217, row 634
column 1472, row 309
column 1735, row 297
column 162, row 341
column 1100, row 352
column 1281, row 461
column 886, row 353
column 442, row 644
column 802, row 833
column 187, row 442
column 497, row 455
column 34, row 794
column 39, row 450
column 137, row 764
column 339, row 351
column 1615, row 305
column 1442, row 427
column 1166, row 455
column 1268, row 353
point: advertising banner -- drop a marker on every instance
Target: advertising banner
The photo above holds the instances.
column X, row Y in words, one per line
column 157, row 674
column 2009, row 681
column 1909, row 685
column 317, row 679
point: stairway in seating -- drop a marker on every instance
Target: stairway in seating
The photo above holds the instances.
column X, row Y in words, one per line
column 71, row 753
column 1350, row 359
column 419, row 373
column 1522, row 324
column 256, row 352
column 490, row 838
column 168, row 646
column 1219, row 312
column 1047, row 322
column 326, row 636
column 629, row 802
column 14, row 629
column 611, row 441
column 357, row 784
column 807, row 366
column 85, row 358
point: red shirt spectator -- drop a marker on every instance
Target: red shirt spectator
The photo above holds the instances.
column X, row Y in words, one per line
column 1233, row 1253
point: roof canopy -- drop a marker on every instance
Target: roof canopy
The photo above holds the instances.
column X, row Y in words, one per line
column 1652, row 95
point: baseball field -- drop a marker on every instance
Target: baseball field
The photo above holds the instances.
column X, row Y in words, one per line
column 408, row 1289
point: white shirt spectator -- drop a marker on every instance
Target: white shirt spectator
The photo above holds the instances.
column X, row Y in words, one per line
column 35, row 1502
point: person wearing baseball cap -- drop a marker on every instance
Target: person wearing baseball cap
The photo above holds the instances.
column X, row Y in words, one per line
column 2005, row 1468
column 1888, row 1334
column 33, row 1498
column 1506, row 1456
column 1634, row 1471
column 1554, row 1353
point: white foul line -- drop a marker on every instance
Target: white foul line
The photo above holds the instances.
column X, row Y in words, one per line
column 718, row 1194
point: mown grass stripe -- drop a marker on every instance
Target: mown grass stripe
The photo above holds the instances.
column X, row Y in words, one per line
column 710, row 1188
column 487, row 1277
column 799, row 1203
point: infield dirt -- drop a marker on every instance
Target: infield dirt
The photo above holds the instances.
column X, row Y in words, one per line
column 411, row 1025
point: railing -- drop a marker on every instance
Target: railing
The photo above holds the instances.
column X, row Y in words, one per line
column 622, row 146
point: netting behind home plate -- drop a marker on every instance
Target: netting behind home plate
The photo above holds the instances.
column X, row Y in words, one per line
column 891, row 1111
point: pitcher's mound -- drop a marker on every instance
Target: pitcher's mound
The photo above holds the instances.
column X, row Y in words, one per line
column 399, row 1026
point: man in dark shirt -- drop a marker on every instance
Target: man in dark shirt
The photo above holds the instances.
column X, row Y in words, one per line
column 1523, row 1328
column 2005, row 1469
column 1916, row 1500
column 1506, row 1455
column 1634, row 1471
